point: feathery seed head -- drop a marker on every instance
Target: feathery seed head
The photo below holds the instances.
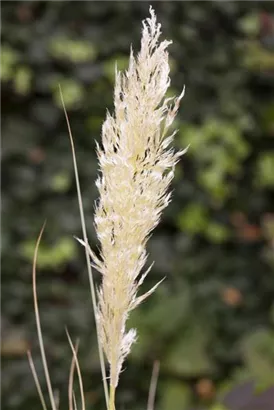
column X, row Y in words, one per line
column 136, row 170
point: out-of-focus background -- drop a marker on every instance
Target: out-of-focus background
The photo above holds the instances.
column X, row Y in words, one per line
column 211, row 321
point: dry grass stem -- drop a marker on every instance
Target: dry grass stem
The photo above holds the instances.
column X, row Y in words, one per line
column 153, row 385
column 78, row 371
column 38, row 324
column 36, row 380
column 84, row 230
column 71, row 375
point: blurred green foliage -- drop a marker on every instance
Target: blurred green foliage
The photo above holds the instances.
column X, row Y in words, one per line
column 50, row 257
column 211, row 321
column 76, row 51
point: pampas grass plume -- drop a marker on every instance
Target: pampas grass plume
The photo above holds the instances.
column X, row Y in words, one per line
column 136, row 169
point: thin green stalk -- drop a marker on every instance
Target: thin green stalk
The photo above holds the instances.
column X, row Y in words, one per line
column 83, row 223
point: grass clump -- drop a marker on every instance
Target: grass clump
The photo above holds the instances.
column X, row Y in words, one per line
column 136, row 169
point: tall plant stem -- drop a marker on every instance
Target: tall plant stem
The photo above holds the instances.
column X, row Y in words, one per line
column 112, row 398
column 91, row 281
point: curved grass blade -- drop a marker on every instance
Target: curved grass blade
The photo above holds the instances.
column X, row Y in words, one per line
column 38, row 324
column 78, row 370
column 71, row 374
column 36, row 380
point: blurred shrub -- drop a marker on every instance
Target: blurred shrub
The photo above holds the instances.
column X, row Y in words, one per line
column 211, row 322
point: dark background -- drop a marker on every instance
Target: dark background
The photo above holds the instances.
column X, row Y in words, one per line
column 211, row 322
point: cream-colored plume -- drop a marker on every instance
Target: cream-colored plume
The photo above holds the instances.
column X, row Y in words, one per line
column 136, row 170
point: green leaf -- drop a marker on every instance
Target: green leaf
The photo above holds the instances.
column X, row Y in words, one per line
column 9, row 58
column 22, row 80
column 188, row 355
column 217, row 233
column 218, row 149
column 258, row 349
column 193, row 218
column 257, row 58
column 60, row 182
column 250, row 24
column 265, row 170
column 50, row 257
column 213, row 180
column 77, row 51
column 268, row 118
column 173, row 313
column 175, row 395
